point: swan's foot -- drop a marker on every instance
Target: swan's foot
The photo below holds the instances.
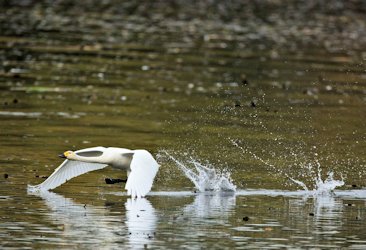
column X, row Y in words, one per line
column 113, row 181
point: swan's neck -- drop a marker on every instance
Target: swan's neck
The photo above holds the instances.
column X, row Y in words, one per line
column 115, row 159
column 88, row 159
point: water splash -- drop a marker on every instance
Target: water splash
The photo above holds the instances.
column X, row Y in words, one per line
column 321, row 187
column 328, row 185
column 203, row 177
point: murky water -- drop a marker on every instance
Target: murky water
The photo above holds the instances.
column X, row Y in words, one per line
column 266, row 98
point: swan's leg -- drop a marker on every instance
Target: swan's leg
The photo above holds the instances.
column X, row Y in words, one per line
column 113, row 181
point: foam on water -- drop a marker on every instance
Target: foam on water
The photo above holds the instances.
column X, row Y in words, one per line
column 203, row 177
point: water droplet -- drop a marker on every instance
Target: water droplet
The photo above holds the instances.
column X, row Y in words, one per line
column 145, row 67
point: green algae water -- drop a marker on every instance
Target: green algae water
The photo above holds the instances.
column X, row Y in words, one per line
column 268, row 91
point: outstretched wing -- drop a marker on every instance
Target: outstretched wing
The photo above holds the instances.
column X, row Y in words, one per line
column 143, row 170
column 66, row 171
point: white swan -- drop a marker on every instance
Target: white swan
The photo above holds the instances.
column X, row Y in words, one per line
column 140, row 165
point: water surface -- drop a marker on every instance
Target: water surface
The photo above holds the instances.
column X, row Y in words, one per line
column 268, row 92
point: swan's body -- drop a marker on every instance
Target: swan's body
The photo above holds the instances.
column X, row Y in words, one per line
column 140, row 165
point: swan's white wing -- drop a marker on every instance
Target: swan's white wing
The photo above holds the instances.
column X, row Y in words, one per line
column 143, row 170
column 66, row 171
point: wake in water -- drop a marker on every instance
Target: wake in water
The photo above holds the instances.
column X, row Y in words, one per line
column 321, row 187
column 203, row 177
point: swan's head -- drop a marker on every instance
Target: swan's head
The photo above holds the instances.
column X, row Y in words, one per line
column 67, row 155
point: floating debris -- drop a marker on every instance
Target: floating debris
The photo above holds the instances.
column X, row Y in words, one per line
column 244, row 82
column 42, row 176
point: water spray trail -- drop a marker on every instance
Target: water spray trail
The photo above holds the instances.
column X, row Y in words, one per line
column 325, row 187
column 205, row 178
column 188, row 172
column 300, row 183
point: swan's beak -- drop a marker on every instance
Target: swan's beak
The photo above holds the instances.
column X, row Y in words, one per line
column 62, row 156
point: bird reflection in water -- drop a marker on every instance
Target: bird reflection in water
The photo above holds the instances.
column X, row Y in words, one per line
column 86, row 224
column 141, row 221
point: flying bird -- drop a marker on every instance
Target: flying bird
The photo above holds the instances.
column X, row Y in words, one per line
column 140, row 165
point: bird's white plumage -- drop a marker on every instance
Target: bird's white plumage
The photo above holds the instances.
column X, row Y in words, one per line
column 142, row 168
column 66, row 171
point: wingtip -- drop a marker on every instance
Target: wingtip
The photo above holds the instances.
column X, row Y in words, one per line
column 36, row 188
column 33, row 189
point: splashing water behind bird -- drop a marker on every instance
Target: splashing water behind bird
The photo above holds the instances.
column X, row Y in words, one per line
column 321, row 187
column 328, row 185
column 203, row 177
